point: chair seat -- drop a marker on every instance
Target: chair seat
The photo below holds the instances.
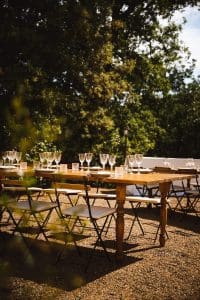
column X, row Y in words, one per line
column 60, row 190
column 141, row 199
column 82, row 211
column 36, row 206
column 99, row 195
column 34, row 189
column 192, row 192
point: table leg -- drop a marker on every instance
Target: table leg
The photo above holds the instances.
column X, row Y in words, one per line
column 121, row 195
column 164, row 189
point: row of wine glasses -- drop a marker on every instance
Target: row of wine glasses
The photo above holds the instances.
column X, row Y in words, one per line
column 11, row 157
column 47, row 158
column 85, row 157
column 135, row 159
column 104, row 159
column 107, row 158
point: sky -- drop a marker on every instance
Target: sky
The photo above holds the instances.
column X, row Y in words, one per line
column 191, row 33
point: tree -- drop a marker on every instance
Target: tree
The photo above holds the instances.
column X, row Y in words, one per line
column 69, row 65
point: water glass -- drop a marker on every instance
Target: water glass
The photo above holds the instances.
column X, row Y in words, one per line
column 75, row 166
column 63, row 168
column 119, row 171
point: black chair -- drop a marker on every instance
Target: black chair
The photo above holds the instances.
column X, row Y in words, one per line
column 136, row 202
column 20, row 211
column 86, row 211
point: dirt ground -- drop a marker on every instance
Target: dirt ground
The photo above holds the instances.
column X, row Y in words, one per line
column 31, row 271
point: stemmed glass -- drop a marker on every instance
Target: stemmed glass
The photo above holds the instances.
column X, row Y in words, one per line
column 10, row 155
column 138, row 160
column 42, row 158
column 112, row 161
column 88, row 157
column 5, row 157
column 82, row 157
column 131, row 160
column 57, row 157
column 18, row 156
column 103, row 159
column 49, row 158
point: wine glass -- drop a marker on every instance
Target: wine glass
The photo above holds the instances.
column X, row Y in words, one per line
column 50, row 158
column 131, row 160
column 18, row 156
column 82, row 157
column 88, row 157
column 5, row 157
column 103, row 159
column 42, row 158
column 138, row 160
column 57, row 157
column 112, row 161
column 10, row 155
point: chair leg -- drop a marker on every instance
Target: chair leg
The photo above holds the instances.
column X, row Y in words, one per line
column 99, row 239
column 136, row 218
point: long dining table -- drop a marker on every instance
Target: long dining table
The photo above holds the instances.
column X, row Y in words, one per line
column 164, row 181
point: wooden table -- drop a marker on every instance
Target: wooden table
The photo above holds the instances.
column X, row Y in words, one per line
column 162, row 179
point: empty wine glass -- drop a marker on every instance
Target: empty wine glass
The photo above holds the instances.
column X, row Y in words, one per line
column 5, row 157
column 112, row 161
column 10, row 155
column 88, row 157
column 50, row 158
column 42, row 158
column 103, row 159
column 18, row 156
column 138, row 160
column 57, row 157
column 82, row 158
column 131, row 160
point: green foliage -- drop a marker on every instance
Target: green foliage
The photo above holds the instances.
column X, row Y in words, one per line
column 75, row 74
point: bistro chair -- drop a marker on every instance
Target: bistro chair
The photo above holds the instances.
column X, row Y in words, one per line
column 86, row 212
column 191, row 192
column 20, row 211
column 17, row 189
column 136, row 202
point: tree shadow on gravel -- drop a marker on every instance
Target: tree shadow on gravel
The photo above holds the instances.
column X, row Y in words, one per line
column 37, row 263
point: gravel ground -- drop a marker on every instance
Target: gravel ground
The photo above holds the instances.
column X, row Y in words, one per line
column 147, row 271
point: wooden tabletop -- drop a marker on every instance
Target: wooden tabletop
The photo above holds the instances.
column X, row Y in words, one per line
column 143, row 179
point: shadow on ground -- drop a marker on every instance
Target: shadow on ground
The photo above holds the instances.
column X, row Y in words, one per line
column 38, row 263
column 176, row 219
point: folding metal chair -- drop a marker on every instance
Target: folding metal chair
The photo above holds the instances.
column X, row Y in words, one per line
column 88, row 212
column 136, row 202
column 39, row 210
column 187, row 192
